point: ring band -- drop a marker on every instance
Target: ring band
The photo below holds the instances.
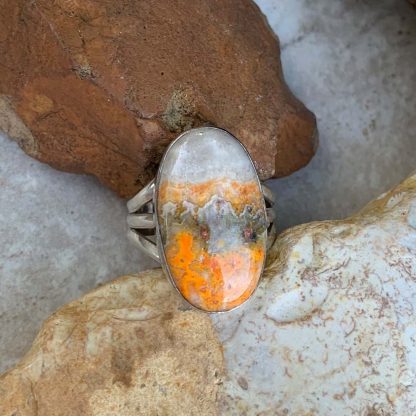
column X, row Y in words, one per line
column 206, row 218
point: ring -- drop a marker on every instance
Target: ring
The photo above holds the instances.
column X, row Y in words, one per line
column 206, row 218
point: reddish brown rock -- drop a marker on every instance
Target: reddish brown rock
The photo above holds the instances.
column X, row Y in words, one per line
column 102, row 87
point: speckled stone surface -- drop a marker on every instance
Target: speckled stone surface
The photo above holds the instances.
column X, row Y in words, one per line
column 128, row 349
column 352, row 63
column 212, row 219
column 332, row 328
column 330, row 331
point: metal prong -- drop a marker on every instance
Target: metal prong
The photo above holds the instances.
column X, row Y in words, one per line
column 142, row 198
column 268, row 194
column 271, row 236
column 141, row 221
column 270, row 215
column 146, row 245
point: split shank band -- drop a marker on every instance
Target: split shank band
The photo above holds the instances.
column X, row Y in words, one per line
column 142, row 219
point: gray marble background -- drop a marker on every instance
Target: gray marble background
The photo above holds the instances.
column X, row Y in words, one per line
column 351, row 62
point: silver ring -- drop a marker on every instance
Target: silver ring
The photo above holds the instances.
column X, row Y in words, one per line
column 206, row 218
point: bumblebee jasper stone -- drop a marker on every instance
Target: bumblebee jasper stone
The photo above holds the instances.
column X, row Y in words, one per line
column 211, row 219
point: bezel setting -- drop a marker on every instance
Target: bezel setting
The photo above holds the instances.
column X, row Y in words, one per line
column 148, row 231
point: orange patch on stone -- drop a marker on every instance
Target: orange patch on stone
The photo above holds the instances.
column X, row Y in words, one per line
column 213, row 282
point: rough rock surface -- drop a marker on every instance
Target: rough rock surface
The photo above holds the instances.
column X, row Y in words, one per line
column 126, row 349
column 102, row 86
column 331, row 330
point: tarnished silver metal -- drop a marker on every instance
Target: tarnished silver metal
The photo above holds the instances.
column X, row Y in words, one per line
column 141, row 198
column 142, row 219
column 145, row 243
column 268, row 194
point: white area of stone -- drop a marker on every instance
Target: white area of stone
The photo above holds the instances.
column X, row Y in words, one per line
column 352, row 63
column 297, row 303
column 332, row 327
column 205, row 154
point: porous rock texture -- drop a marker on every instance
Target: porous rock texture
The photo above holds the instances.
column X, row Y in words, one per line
column 126, row 349
column 102, row 87
column 331, row 330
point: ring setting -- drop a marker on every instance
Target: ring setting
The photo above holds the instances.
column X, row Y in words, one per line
column 206, row 218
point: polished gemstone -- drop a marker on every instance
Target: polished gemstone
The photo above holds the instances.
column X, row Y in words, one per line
column 211, row 218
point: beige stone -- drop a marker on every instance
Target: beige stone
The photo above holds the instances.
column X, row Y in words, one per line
column 126, row 348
